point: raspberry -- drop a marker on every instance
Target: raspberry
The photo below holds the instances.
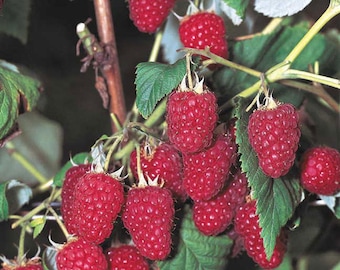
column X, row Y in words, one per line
column 204, row 29
column 79, row 254
column 164, row 162
column 191, row 117
column 149, row 15
column 215, row 215
column 274, row 135
column 98, row 199
column 126, row 257
column 148, row 216
column 72, row 177
column 320, row 170
column 206, row 172
column 247, row 226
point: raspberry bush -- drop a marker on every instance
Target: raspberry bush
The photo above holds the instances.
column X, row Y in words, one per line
column 228, row 159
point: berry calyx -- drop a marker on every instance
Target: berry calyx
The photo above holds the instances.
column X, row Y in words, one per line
column 274, row 135
column 21, row 264
column 320, row 170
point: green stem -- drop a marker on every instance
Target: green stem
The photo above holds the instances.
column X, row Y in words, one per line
column 90, row 43
column 331, row 11
column 43, row 188
column 21, row 249
column 156, row 46
column 298, row 74
column 60, row 223
column 36, row 210
column 220, row 60
column 319, row 91
column 25, row 163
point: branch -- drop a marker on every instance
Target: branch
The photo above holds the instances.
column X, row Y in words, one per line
column 112, row 71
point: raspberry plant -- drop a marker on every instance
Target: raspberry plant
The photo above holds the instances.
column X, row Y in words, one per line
column 185, row 180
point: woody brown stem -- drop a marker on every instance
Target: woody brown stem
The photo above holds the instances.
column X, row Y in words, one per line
column 112, row 71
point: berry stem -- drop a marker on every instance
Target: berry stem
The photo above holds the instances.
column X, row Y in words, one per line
column 54, row 195
column 21, row 248
column 60, row 223
column 111, row 71
column 12, row 150
column 299, row 74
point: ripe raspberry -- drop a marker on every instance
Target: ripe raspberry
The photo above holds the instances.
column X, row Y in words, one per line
column 148, row 216
column 191, row 117
column 126, row 257
column 274, row 135
column 215, row 215
column 72, row 177
column 98, row 199
column 206, row 172
column 203, row 29
column 149, row 15
column 164, row 162
column 247, row 226
column 320, row 170
column 80, row 255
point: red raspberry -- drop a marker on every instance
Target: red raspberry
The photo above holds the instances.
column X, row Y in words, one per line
column 206, row 172
column 163, row 161
column 203, row 29
column 274, row 135
column 72, row 177
column 191, row 118
column 247, row 226
column 320, row 170
column 215, row 215
column 126, row 257
column 149, row 15
column 148, row 216
column 98, row 199
column 80, row 255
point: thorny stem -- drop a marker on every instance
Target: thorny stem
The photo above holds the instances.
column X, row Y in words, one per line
column 36, row 210
column 111, row 72
column 25, row 163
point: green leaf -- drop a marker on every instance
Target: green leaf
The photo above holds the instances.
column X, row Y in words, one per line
column 17, row 92
column 197, row 251
column 154, row 81
column 79, row 158
column 14, row 19
column 264, row 51
column 13, row 195
column 239, row 6
column 38, row 225
column 276, row 198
